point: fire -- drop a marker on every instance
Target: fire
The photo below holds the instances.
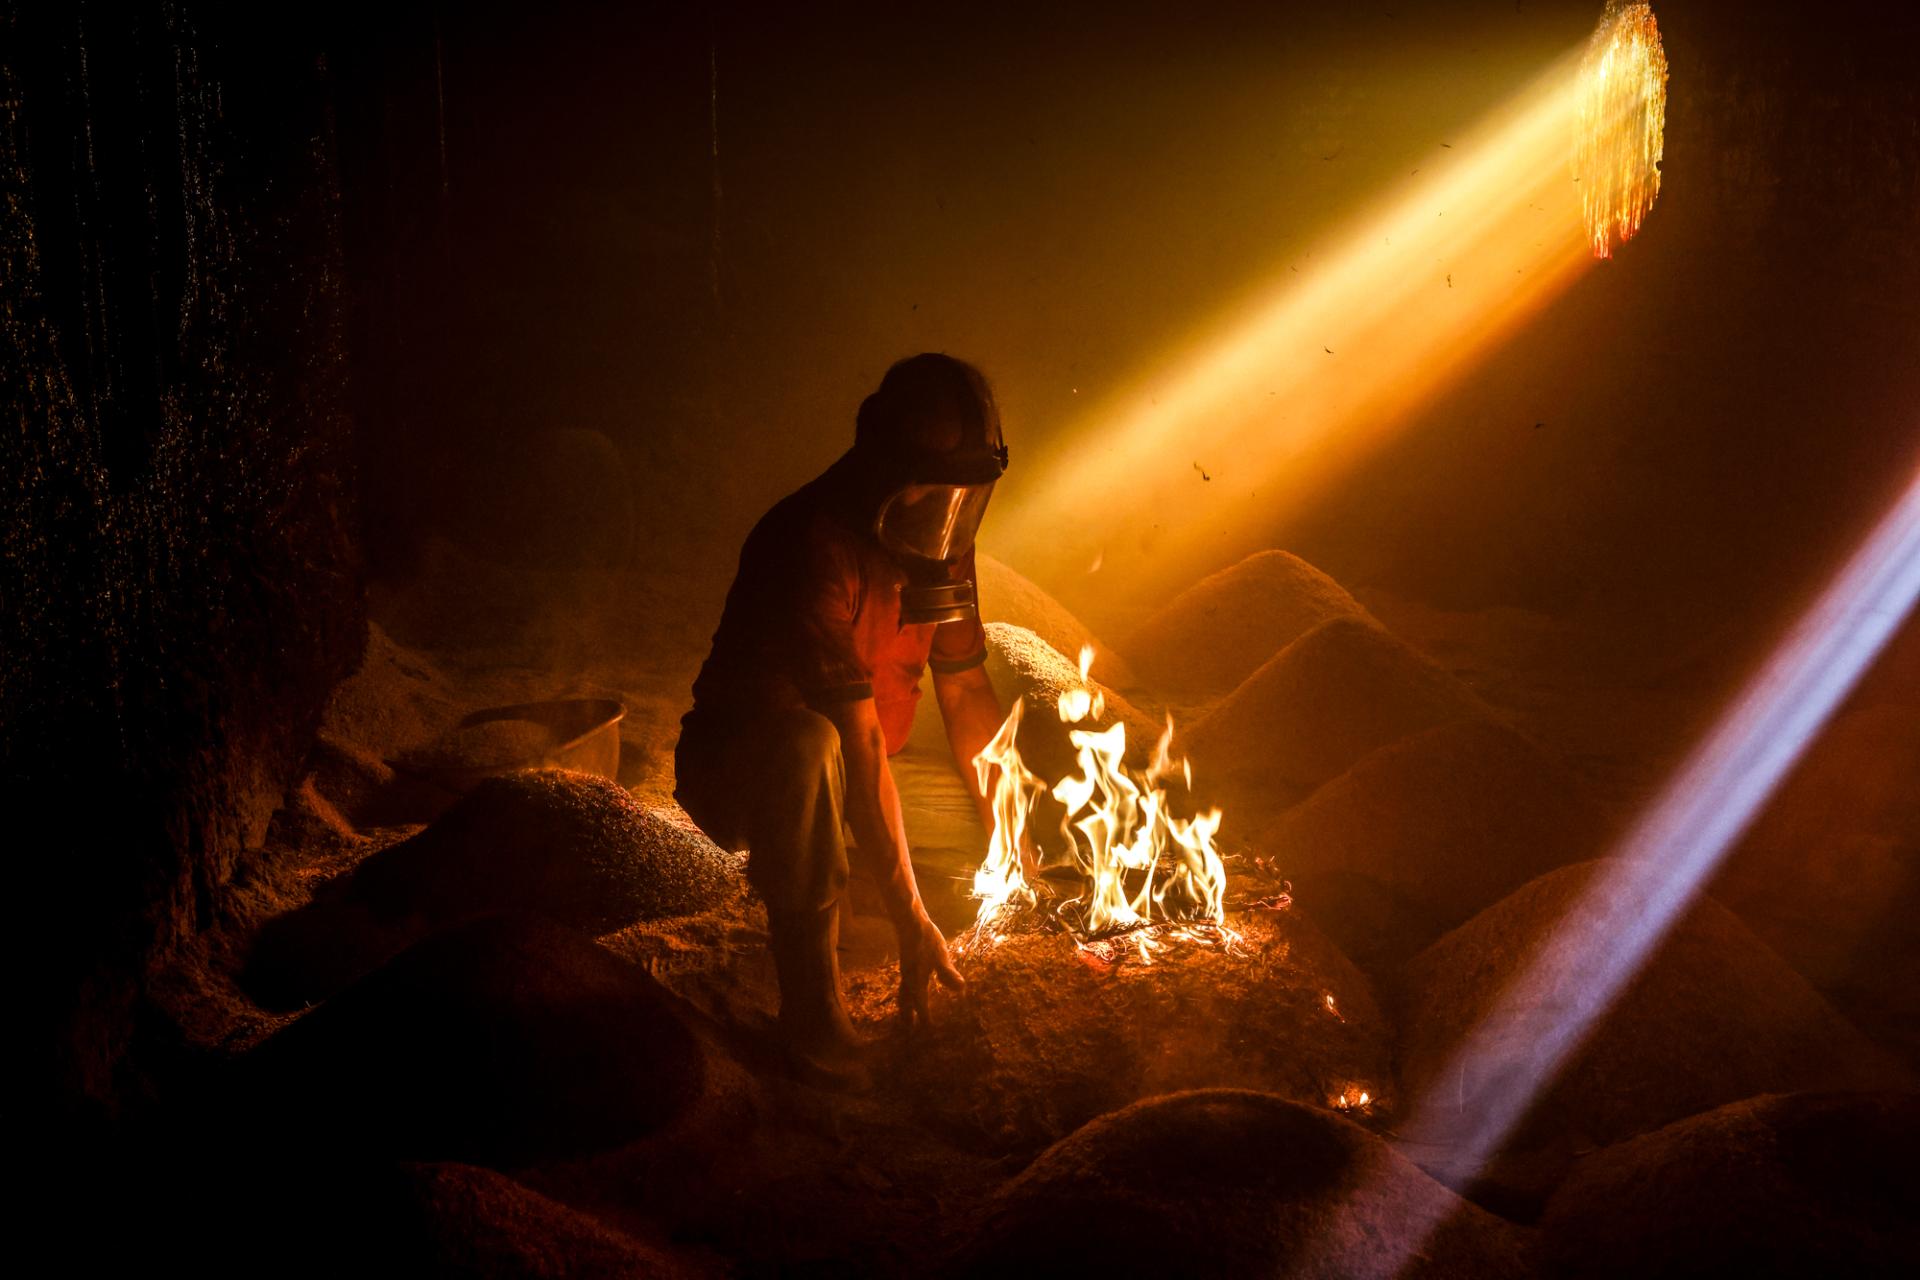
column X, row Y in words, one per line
column 1140, row 864
column 1354, row 1098
column 1623, row 120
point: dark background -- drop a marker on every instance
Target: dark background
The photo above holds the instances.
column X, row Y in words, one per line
column 289, row 299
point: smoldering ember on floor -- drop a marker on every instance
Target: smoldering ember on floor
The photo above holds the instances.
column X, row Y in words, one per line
column 1427, row 781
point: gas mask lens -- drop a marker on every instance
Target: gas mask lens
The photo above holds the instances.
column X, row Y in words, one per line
column 933, row 521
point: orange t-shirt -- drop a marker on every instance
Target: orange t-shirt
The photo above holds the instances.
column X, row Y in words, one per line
column 813, row 618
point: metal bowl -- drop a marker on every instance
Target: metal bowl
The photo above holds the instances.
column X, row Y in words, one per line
column 584, row 732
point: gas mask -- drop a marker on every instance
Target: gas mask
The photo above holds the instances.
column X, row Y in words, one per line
column 928, row 527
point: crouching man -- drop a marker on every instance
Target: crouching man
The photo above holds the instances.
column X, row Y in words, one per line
column 846, row 591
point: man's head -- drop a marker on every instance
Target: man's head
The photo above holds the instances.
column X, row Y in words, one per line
column 930, row 438
column 930, row 411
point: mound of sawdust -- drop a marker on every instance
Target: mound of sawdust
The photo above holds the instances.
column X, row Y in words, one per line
column 352, row 780
column 1007, row 596
column 395, row 699
column 1022, row 665
column 1219, row 631
column 1712, row 1016
column 1830, row 874
column 1342, row 690
column 462, row 1220
column 1857, row 775
column 573, row 847
column 1231, row 1182
column 1044, row 1039
column 501, row 1040
column 1895, row 676
column 1820, row 1184
column 1426, row 831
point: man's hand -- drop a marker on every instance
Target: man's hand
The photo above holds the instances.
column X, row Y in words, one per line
column 923, row 957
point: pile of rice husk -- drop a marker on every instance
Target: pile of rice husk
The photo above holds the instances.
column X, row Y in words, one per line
column 1830, row 874
column 1045, row 1038
column 1895, row 676
column 1022, row 665
column 502, row 1040
column 572, row 846
column 1216, row 633
column 1340, row 691
column 463, row 1220
column 291, row 1207
column 1424, row 832
column 1820, row 1184
column 1007, row 596
column 1712, row 1016
column 395, row 699
column 1232, row 1182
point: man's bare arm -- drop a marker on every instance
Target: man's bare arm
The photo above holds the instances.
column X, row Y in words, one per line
column 972, row 712
column 880, row 838
column 873, row 807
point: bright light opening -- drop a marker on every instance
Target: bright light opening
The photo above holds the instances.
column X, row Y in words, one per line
column 1621, row 135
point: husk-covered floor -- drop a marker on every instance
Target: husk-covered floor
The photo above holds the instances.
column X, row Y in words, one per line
column 530, row 1032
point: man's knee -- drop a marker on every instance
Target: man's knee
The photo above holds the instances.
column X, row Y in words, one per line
column 799, row 860
column 804, row 742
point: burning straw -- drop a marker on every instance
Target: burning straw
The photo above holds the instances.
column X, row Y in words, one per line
column 1145, row 874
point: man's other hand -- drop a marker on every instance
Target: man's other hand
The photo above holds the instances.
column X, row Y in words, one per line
column 923, row 957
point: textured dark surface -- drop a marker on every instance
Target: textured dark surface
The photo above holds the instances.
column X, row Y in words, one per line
column 1338, row 692
column 1431, row 829
column 1233, row 1183
column 573, row 847
column 1712, row 1016
column 499, row 1040
column 1795, row 1185
column 1216, row 633
column 1043, row 1040
column 178, row 592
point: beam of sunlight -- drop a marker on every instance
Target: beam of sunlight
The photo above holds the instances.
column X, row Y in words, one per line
column 1324, row 363
column 1509, row 1058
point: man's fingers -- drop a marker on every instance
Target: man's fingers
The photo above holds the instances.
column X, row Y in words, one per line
column 950, row 977
column 913, row 1001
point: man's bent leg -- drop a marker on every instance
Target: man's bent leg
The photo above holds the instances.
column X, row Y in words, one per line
column 798, row 864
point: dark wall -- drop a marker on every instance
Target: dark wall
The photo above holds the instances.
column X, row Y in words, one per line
column 179, row 590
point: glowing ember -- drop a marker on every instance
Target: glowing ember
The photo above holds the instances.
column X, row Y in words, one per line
column 1143, row 870
column 1353, row 1099
column 1623, row 119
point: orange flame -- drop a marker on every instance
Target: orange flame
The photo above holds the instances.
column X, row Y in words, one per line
column 1141, row 865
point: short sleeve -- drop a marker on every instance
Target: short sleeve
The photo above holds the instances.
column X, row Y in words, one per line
column 960, row 646
column 825, row 660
